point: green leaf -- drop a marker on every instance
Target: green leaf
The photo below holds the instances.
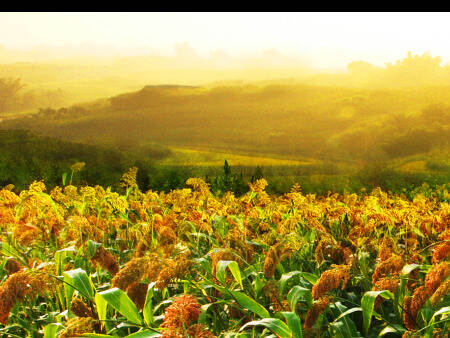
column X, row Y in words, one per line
column 9, row 250
column 391, row 329
column 431, row 323
column 205, row 307
column 294, row 324
column 120, row 301
column 310, row 277
column 144, row 334
column 409, row 268
column 297, row 293
column 285, row 278
column 248, row 303
column 354, row 309
column 60, row 255
column 343, row 326
column 64, row 178
column 51, row 329
column 444, row 310
column 273, row 324
column 148, row 306
column 91, row 248
column 79, row 280
column 367, row 302
column 234, row 268
column 101, row 304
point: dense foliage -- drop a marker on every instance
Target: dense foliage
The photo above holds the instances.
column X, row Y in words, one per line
column 188, row 263
column 26, row 157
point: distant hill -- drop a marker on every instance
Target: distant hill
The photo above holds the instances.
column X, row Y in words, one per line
column 290, row 120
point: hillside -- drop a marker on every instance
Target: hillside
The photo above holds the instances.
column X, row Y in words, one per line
column 292, row 121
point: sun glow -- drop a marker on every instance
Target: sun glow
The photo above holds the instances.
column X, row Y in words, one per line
column 325, row 40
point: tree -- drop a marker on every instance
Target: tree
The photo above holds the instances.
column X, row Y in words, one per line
column 9, row 87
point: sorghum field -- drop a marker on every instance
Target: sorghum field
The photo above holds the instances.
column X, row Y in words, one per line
column 85, row 261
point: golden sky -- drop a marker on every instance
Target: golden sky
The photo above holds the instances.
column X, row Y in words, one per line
column 325, row 40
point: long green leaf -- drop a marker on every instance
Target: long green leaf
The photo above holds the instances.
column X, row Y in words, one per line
column 79, row 280
column 391, row 329
column 343, row 326
column 148, row 306
column 285, row 278
column 294, row 324
column 429, row 328
column 250, row 304
column 101, row 304
column 234, row 268
column 144, row 334
column 297, row 293
column 273, row 324
column 120, row 301
column 367, row 303
column 60, row 255
column 9, row 250
column 51, row 329
column 311, row 278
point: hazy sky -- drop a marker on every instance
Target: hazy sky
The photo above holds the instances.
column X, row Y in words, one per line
column 326, row 40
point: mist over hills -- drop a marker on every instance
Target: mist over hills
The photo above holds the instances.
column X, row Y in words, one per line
column 324, row 122
column 396, row 117
column 353, row 115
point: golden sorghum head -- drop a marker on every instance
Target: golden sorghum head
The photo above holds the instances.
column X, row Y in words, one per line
column 442, row 290
column 419, row 297
column 314, row 312
column 8, row 198
column 129, row 178
column 275, row 255
column 385, row 283
column 12, row 266
column 14, row 289
column 386, row 248
column 141, row 248
column 440, row 252
column 19, row 285
column 37, row 186
column 391, row 266
column 137, row 293
column 197, row 184
column 184, row 310
column 271, row 261
column 199, row 331
column 155, row 264
column 166, row 235
column 175, row 269
column 131, row 272
column 259, row 185
column 9, row 187
column 296, row 188
column 437, row 274
column 106, row 260
column 172, row 333
column 325, row 249
column 75, row 327
column 409, row 321
column 80, row 309
column 331, row 279
column 165, row 276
